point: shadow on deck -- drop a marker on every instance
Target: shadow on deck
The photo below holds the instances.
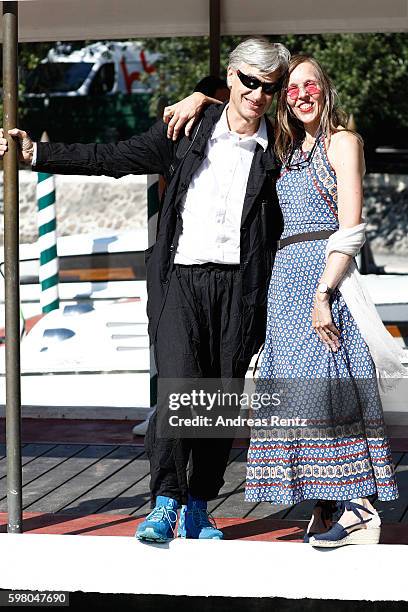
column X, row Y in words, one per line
column 92, row 478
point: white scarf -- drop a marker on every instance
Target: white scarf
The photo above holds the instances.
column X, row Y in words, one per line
column 386, row 353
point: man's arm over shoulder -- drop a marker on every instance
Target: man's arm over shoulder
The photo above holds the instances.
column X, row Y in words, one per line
column 148, row 153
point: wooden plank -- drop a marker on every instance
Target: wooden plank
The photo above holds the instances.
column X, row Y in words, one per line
column 234, row 478
column 140, row 494
column 301, row 511
column 106, row 493
column 234, row 504
column 59, row 487
column 29, row 453
column 42, row 465
column 397, row 457
column 396, row 511
column 86, row 480
column 36, row 472
column 267, row 510
column 134, row 500
column 235, row 454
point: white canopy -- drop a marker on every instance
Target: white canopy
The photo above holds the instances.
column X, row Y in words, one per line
column 49, row 20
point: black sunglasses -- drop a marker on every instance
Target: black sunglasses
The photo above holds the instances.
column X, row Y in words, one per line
column 253, row 83
column 303, row 163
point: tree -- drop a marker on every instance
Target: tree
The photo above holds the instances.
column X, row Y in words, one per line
column 370, row 71
column 184, row 62
column 29, row 55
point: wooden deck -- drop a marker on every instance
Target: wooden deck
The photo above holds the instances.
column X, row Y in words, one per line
column 95, row 484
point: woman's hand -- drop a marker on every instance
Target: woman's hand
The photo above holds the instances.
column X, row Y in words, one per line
column 323, row 323
column 185, row 113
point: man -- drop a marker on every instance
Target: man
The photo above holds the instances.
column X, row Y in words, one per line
column 208, row 273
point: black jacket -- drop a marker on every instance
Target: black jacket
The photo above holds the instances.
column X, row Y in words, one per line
column 153, row 153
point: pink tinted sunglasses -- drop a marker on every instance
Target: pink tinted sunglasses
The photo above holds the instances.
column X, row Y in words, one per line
column 310, row 88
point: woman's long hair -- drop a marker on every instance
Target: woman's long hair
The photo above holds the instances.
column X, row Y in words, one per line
column 289, row 130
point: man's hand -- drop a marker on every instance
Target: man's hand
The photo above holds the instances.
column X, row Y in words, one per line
column 184, row 113
column 24, row 144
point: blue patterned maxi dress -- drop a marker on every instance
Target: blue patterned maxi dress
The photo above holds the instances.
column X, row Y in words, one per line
column 343, row 452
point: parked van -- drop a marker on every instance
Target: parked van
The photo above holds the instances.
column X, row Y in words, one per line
column 98, row 93
column 100, row 68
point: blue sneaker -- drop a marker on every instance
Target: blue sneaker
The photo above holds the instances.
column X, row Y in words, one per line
column 160, row 523
column 196, row 523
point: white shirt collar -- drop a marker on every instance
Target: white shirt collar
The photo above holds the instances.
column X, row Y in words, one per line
column 222, row 129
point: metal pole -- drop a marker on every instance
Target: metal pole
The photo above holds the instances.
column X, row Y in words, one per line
column 11, row 261
column 215, row 41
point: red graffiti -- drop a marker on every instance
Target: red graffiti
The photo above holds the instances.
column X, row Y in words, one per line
column 129, row 77
column 135, row 75
column 146, row 67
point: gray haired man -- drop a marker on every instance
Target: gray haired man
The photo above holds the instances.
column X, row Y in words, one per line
column 208, row 273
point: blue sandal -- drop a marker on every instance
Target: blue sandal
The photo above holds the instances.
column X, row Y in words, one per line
column 323, row 511
column 365, row 531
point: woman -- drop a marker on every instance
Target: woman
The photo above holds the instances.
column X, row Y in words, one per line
column 333, row 448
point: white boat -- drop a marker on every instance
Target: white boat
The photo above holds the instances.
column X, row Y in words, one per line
column 389, row 293
column 92, row 268
column 89, row 358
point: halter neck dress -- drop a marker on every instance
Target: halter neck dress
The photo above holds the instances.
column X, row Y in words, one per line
column 342, row 452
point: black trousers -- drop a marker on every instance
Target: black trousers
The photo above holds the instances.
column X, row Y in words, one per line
column 199, row 336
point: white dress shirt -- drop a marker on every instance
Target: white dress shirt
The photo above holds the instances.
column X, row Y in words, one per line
column 212, row 207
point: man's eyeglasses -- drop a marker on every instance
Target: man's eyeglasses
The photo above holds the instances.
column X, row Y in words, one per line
column 253, row 83
column 311, row 88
